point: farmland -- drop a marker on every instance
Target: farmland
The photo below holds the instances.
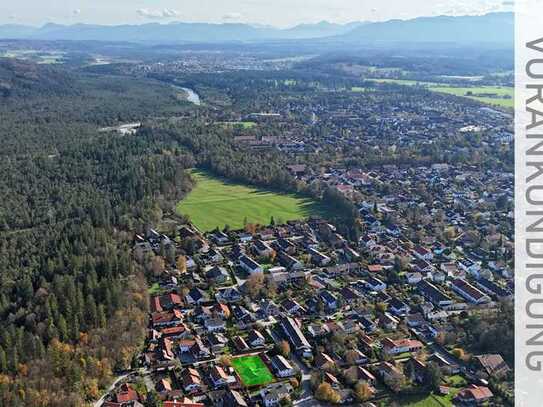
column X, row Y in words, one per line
column 504, row 96
column 216, row 202
column 243, row 124
column 491, row 95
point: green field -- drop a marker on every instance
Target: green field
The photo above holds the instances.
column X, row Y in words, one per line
column 252, row 371
column 432, row 400
column 500, row 91
column 216, row 202
column 245, row 125
column 405, row 82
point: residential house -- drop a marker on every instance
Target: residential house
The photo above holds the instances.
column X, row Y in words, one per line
column 249, row 265
column 282, row 366
column 256, row 339
column 413, row 278
column 470, row 267
column 417, row 370
column 330, row 301
column 491, row 366
column 228, row 295
column 240, row 344
column 474, row 395
column 219, row 377
column 469, row 292
column 397, row 346
column 389, row 322
column 273, row 394
column 289, row 262
column 319, row 258
column 215, row 324
column 217, row 274
column 322, row 361
column 296, row 338
column 398, row 307
column 433, row 294
column 233, row 398
column 375, row 284
column 388, row 371
column 196, row 296
column 423, row 253
column 263, row 249
column 292, row 307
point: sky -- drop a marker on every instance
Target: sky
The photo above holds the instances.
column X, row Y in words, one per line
column 279, row 13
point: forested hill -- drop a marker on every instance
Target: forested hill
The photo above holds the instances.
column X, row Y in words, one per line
column 71, row 199
column 20, row 78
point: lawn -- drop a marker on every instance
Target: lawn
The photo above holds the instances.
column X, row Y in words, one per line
column 154, row 289
column 252, row 371
column 431, row 400
column 405, row 82
column 500, row 91
column 216, row 202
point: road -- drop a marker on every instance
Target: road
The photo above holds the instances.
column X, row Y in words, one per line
column 110, row 389
column 306, row 399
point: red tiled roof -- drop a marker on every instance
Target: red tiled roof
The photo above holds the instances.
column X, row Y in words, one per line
column 126, row 393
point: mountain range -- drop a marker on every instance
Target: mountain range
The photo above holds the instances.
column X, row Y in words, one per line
column 489, row 28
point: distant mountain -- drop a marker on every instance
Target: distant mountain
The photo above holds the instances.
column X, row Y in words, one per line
column 174, row 32
column 15, row 31
column 319, row 30
column 490, row 28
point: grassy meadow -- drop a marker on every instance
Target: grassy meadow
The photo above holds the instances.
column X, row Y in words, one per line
column 501, row 91
column 216, row 202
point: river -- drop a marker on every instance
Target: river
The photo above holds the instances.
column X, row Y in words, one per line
column 192, row 96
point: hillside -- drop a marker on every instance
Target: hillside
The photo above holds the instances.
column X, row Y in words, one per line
column 19, row 78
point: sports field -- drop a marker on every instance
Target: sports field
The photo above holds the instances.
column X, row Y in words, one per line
column 252, row 371
column 216, row 202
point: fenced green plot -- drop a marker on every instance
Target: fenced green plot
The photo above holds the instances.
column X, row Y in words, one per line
column 252, row 371
column 216, row 202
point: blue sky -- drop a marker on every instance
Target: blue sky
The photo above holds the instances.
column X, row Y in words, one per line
column 281, row 13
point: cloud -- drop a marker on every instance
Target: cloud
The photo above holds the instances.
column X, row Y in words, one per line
column 76, row 12
column 508, row 3
column 158, row 14
column 232, row 16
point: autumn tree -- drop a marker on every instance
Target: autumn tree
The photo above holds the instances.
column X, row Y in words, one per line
column 181, row 264
column 362, row 391
column 284, row 348
column 254, row 284
column 325, row 392
column 158, row 265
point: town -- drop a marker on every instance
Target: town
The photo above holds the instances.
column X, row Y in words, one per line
column 307, row 222
column 296, row 313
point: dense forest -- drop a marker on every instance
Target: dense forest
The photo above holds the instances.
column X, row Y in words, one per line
column 72, row 197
